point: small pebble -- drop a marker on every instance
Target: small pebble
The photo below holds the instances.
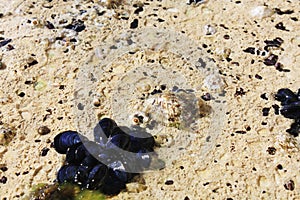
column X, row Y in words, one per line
column 271, row 60
column 3, row 180
column 44, row 130
column 169, row 182
column 290, row 185
column 206, row 97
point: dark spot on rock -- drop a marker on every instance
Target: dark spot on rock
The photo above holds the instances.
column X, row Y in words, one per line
column 138, row 10
column 279, row 67
column 21, row 94
column 250, row 50
column 289, row 185
column 206, row 97
column 3, row 179
column 286, row 12
column 160, row 20
column 271, row 60
column 5, row 42
column 163, row 87
column 294, row 19
column 265, row 111
column 240, row 132
column 271, row 150
column 186, row 198
column 280, row 26
column 44, row 151
column 4, row 169
column 279, row 167
column 226, row 37
column 273, row 43
column 239, row 92
column 276, row 109
column 76, row 25
column 169, row 182
column 80, row 106
column 134, row 24
column 49, row 25
column 258, row 76
column 26, row 172
column 264, row 123
column 263, row 96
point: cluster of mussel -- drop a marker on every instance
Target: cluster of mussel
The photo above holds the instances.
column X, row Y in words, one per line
column 290, row 103
column 108, row 162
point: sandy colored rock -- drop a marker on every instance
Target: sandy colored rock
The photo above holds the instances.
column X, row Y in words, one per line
column 259, row 162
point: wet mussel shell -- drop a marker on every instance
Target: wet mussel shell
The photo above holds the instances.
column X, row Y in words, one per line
column 104, row 129
column 291, row 110
column 65, row 140
column 76, row 153
column 112, row 184
column 286, row 96
column 67, row 173
column 96, row 176
column 119, row 141
column 103, row 163
column 295, row 128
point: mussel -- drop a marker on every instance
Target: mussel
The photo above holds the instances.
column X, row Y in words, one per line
column 291, row 110
column 96, row 176
column 104, row 163
column 67, row 173
column 104, row 129
column 286, row 96
column 65, row 140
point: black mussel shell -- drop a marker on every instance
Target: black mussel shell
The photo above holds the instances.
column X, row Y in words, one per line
column 120, row 140
column 138, row 143
column 144, row 158
column 76, row 153
column 67, row 173
column 96, row 176
column 93, row 148
column 286, row 96
column 82, row 175
column 291, row 110
column 140, row 139
column 65, row 140
column 118, row 168
column 104, row 129
column 89, row 161
column 295, row 128
column 112, row 184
